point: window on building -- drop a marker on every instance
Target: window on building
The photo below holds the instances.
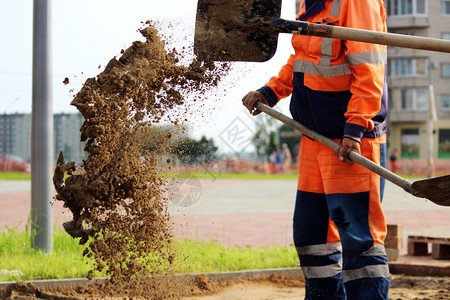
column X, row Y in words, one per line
column 421, row 66
column 409, row 99
column 407, row 7
column 445, row 102
column 421, row 7
column 404, row 99
column 420, row 102
column 445, row 70
column 410, row 143
column 408, row 67
column 445, row 35
column 445, row 7
column 393, row 8
column 401, row 67
column 444, row 143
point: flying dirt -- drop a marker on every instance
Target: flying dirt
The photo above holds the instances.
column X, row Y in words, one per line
column 118, row 199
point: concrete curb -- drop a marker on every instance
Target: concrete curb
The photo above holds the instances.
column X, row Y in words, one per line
column 70, row 282
column 418, row 269
column 285, row 273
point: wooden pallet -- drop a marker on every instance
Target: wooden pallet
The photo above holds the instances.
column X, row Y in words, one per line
column 440, row 246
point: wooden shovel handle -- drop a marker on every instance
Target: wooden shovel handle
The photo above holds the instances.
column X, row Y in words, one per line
column 362, row 35
column 376, row 37
column 356, row 157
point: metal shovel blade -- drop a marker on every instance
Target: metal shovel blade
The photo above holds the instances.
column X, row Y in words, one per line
column 247, row 30
column 435, row 189
column 232, row 30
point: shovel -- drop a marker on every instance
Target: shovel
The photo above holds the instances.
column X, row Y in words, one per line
column 435, row 189
column 247, row 30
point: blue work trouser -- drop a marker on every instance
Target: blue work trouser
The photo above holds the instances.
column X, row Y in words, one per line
column 339, row 225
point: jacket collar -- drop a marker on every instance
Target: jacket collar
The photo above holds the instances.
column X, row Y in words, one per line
column 313, row 7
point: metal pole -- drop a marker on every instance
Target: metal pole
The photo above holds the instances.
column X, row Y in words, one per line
column 431, row 118
column 4, row 139
column 430, row 130
column 42, row 130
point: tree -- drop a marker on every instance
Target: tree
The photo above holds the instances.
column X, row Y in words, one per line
column 174, row 140
column 266, row 139
column 192, row 152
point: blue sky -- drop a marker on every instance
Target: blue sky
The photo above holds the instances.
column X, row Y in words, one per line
column 86, row 34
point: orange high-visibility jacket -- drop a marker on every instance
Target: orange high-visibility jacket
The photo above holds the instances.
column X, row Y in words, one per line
column 332, row 65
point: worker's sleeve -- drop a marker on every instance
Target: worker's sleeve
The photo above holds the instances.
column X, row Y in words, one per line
column 280, row 86
column 367, row 62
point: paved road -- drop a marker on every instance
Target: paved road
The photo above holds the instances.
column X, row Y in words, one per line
column 15, row 199
column 242, row 212
column 259, row 212
column 222, row 196
column 8, row 186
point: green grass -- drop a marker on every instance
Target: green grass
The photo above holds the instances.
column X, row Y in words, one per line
column 209, row 256
column 202, row 175
column 66, row 260
column 16, row 254
column 14, row 176
column 444, row 154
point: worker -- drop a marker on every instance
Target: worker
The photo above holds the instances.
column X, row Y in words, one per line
column 286, row 158
column 393, row 160
column 339, row 90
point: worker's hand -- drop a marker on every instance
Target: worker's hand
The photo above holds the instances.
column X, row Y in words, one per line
column 347, row 145
column 250, row 99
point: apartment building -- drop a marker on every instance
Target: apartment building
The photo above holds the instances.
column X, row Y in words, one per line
column 419, row 84
column 15, row 136
column 66, row 135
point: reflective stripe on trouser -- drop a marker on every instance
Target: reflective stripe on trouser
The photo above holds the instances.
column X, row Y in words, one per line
column 339, row 225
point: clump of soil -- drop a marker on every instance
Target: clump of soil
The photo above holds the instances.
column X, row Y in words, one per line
column 118, row 202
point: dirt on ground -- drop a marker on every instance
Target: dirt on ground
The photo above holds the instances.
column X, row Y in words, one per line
column 402, row 288
column 273, row 288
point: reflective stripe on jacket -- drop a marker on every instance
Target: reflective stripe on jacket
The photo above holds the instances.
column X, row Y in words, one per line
column 332, row 65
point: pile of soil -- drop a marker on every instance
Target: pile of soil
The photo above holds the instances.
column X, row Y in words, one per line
column 167, row 287
column 272, row 288
column 119, row 201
